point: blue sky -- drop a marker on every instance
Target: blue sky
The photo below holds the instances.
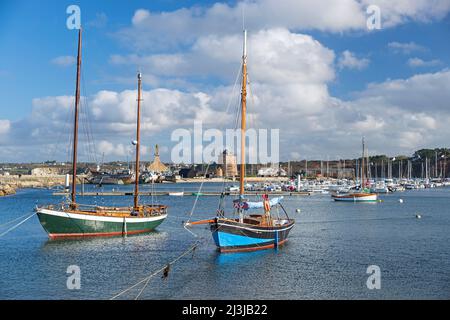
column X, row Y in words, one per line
column 122, row 36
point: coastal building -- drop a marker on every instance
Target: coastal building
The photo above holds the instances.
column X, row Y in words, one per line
column 157, row 165
column 219, row 172
column 228, row 162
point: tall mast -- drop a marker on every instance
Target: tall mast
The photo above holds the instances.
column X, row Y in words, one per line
column 138, row 142
column 243, row 114
column 362, row 165
column 75, row 127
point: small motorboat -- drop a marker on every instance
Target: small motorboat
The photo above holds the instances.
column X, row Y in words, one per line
column 176, row 194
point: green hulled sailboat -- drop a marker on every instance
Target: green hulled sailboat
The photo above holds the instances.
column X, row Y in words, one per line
column 75, row 220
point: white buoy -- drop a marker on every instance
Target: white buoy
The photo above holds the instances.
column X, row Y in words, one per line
column 418, row 216
column 400, row 200
column 298, row 210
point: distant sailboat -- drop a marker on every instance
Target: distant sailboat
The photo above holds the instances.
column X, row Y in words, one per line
column 75, row 220
column 363, row 195
column 248, row 232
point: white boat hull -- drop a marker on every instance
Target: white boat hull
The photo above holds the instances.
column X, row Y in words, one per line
column 370, row 197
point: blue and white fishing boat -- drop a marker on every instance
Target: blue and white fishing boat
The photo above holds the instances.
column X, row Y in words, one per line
column 247, row 231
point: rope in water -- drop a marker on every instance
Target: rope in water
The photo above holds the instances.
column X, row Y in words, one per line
column 16, row 225
column 147, row 279
column 192, row 248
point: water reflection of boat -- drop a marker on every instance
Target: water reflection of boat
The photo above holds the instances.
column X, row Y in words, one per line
column 98, row 244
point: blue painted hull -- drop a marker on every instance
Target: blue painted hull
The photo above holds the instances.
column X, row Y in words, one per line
column 232, row 236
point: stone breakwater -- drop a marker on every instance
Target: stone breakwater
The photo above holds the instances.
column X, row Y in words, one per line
column 6, row 189
column 9, row 184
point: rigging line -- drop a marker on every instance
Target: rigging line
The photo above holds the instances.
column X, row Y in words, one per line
column 251, row 117
column 15, row 226
column 63, row 132
column 9, row 222
column 88, row 124
column 85, row 113
column 69, row 145
column 207, row 168
column 198, row 194
column 156, row 272
column 238, row 74
column 85, row 129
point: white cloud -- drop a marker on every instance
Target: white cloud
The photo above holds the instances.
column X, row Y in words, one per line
column 100, row 21
column 289, row 77
column 64, row 61
column 157, row 31
column 116, row 150
column 417, row 62
column 286, row 69
column 140, row 16
column 161, row 30
column 348, row 60
column 428, row 92
column 5, row 125
column 396, row 116
column 405, row 47
column 402, row 11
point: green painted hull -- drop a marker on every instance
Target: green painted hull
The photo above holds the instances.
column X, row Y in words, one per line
column 59, row 226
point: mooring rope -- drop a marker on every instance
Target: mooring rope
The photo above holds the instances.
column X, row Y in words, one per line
column 16, row 225
column 14, row 220
column 147, row 279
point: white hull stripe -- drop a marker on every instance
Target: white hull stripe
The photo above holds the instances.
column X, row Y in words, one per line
column 99, row 218
column 251, row 229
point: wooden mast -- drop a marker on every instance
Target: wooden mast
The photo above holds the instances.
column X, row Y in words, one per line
column 243, row 115
column 138, row 142
column 362, row 166
column 75, row 127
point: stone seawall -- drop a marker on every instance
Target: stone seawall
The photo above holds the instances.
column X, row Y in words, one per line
column 9, row 183
column 6, row 189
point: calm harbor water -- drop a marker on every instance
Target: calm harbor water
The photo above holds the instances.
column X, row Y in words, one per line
column 326, row 256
